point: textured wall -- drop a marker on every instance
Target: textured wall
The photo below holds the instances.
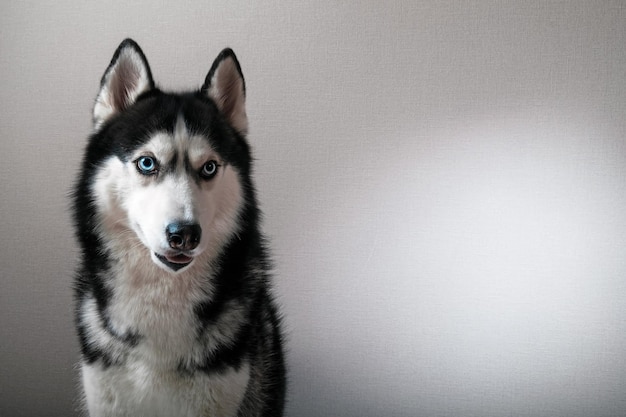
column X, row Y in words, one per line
column 444, row 184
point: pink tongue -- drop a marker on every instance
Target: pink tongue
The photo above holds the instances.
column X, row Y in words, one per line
column 179, row 259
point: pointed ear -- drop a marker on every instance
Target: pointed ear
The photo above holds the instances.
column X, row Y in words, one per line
column 226, row 87
column 127, row 76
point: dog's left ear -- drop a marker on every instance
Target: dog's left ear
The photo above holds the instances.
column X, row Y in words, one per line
column 225, row 85
column 127, row 76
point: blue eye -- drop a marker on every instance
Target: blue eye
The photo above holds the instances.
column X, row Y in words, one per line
column 146, row 165
column 209, row 170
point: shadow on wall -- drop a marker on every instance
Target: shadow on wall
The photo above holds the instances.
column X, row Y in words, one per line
column 500, row 236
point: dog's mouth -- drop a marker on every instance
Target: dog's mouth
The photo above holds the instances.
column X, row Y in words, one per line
column 174, row 262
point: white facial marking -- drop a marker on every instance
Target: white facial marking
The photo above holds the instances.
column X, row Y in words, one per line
column 136, row 208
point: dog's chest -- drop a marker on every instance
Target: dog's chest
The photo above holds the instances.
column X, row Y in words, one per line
column 149, row 381
column 139, row 390
column 159, row 310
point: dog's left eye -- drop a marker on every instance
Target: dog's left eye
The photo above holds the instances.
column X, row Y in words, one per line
column 209, row 170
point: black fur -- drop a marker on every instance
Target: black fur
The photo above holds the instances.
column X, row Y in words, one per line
column 237, row 279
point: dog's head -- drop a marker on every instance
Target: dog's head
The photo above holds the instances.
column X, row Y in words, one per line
column 168, row 172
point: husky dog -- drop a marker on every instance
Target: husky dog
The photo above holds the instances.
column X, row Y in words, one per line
column 174, row 310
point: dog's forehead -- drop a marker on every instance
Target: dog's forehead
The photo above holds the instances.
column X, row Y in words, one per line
column 179, row 143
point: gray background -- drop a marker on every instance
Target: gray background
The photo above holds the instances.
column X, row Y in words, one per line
column 443, row 183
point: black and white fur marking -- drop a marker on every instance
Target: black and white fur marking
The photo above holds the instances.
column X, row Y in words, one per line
column 174, row 310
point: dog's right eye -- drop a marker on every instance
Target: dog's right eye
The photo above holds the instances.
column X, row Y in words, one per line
column 146, row 165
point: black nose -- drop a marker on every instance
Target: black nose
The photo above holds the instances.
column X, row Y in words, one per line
column 183, row 236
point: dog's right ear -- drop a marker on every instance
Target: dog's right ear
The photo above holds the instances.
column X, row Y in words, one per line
column 127, row 76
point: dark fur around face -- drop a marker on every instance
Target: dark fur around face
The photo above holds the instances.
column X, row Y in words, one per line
column 240, row 275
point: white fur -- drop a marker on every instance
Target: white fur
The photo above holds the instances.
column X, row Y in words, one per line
column 144, row 391
column 153, row 301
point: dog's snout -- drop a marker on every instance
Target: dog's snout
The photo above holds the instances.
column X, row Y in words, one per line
column 183, row 236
